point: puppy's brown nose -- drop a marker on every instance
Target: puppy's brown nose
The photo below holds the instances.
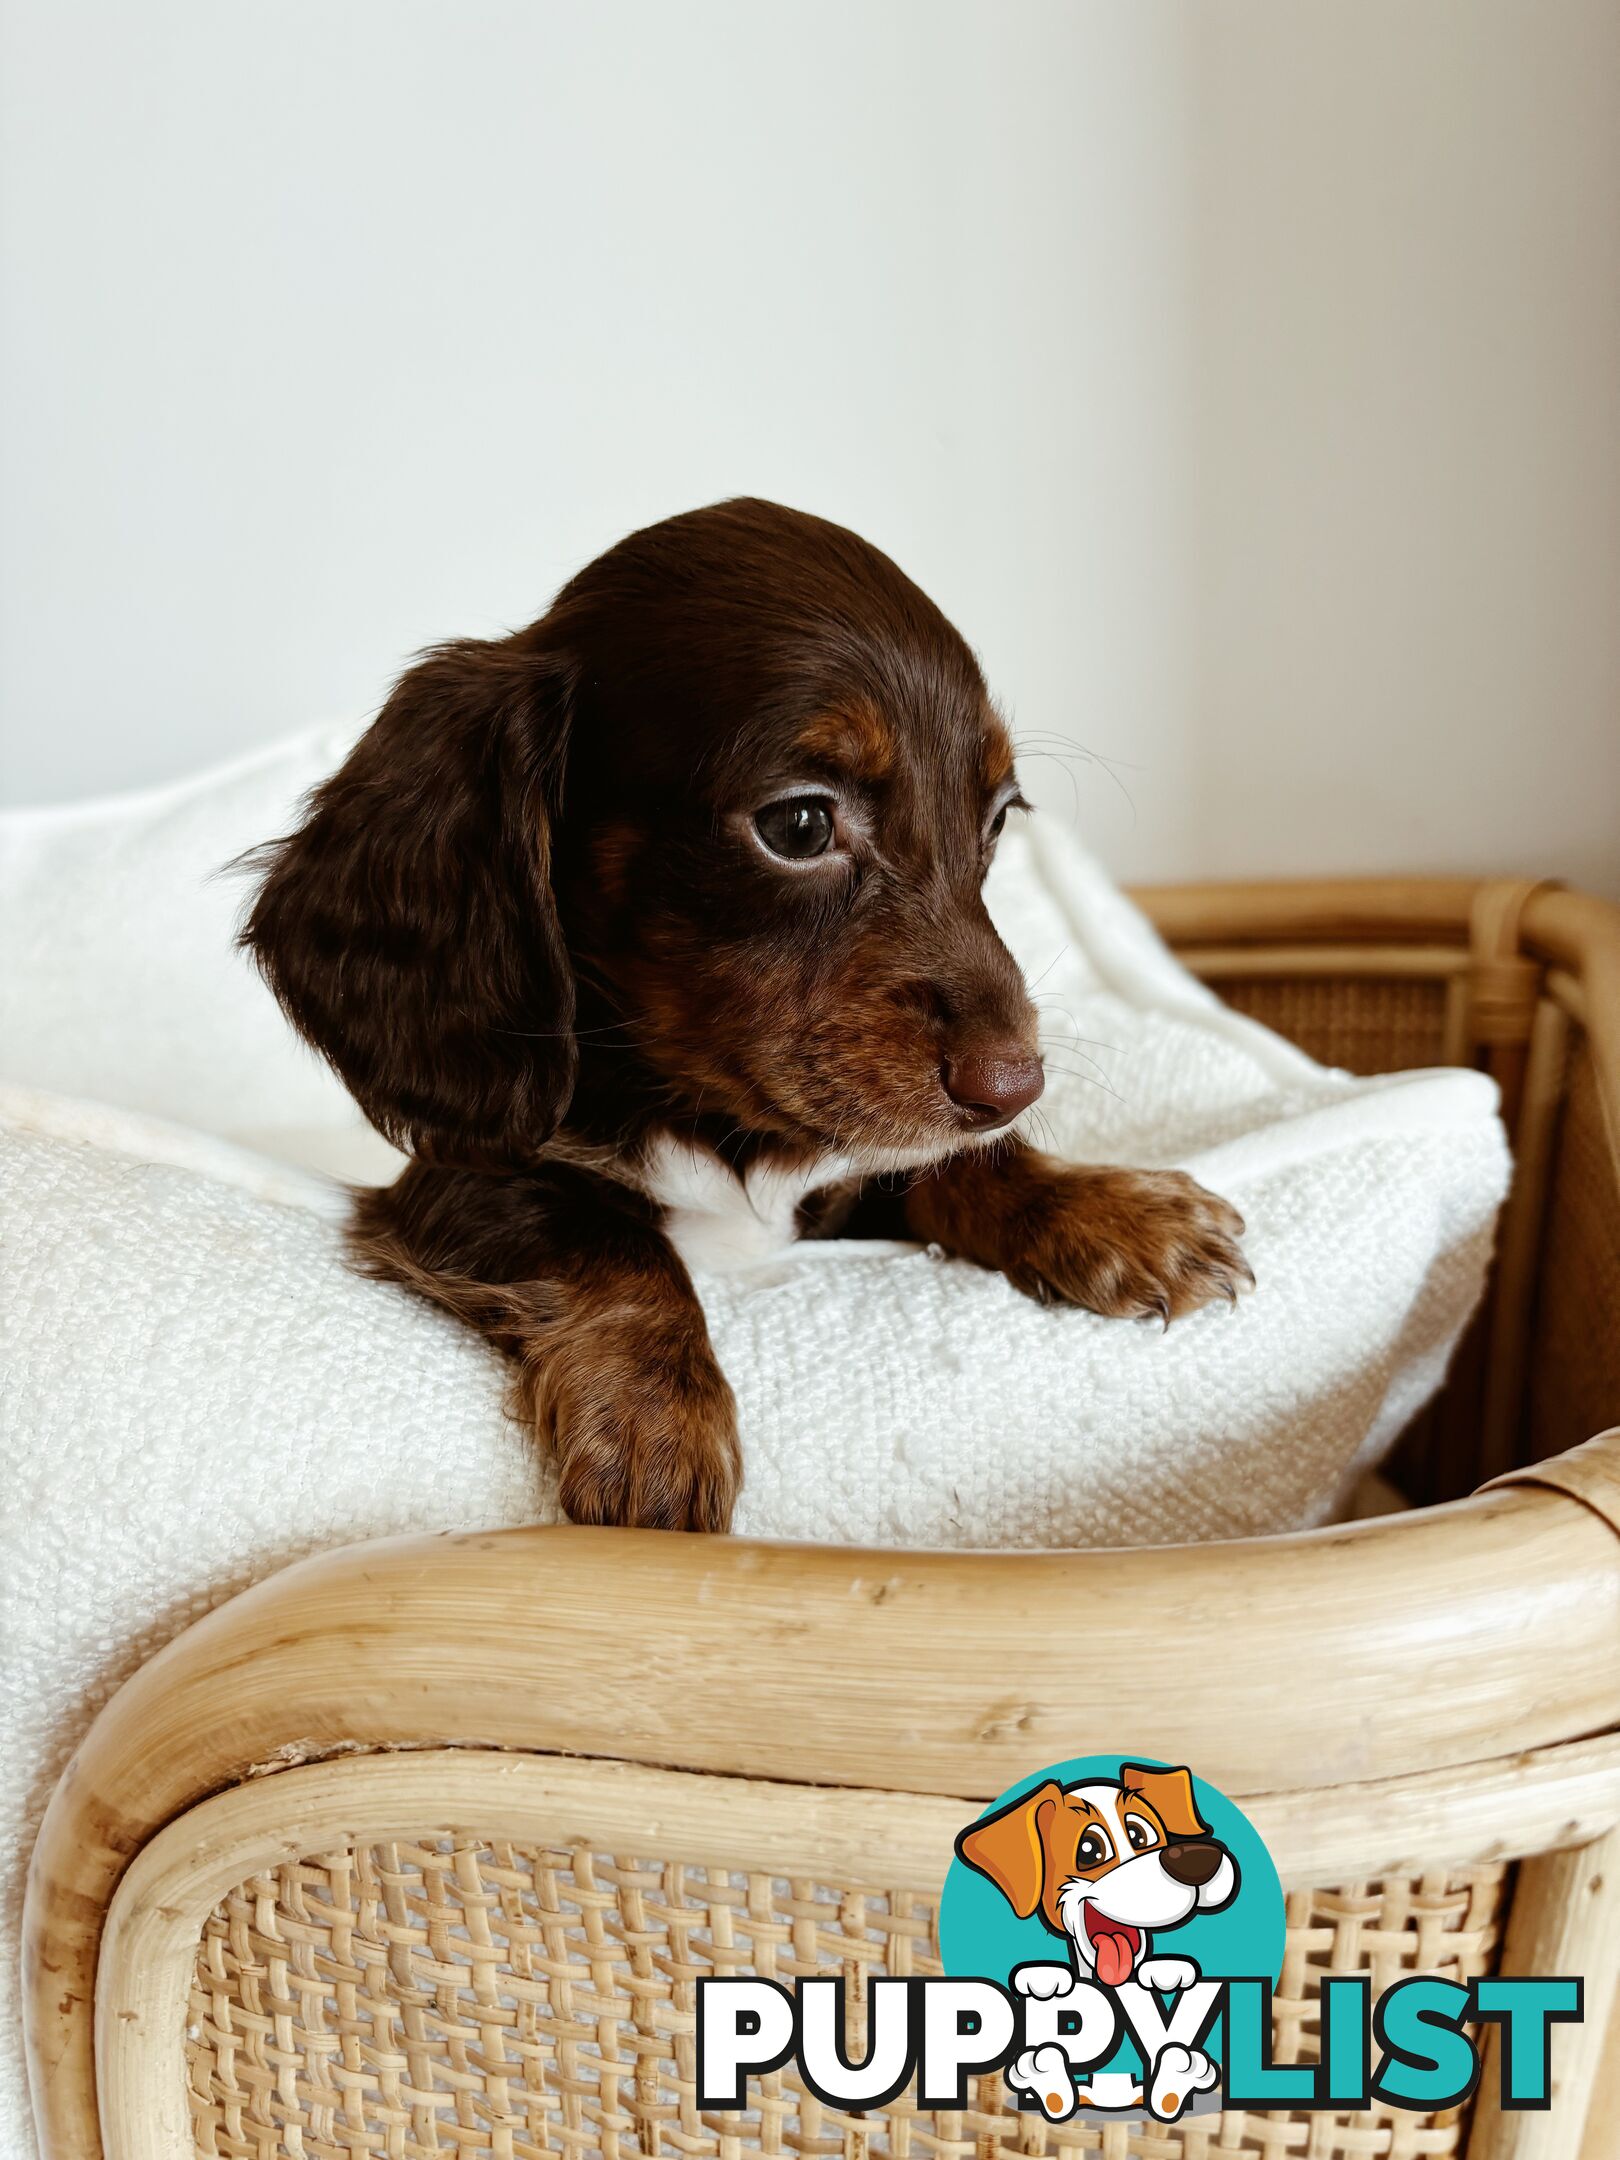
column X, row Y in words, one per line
column 1192, row 1863
column 994, row 1085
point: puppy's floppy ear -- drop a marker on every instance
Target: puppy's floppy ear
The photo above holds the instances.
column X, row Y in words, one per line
column 1170, row 1795
column 409, row 929
column 1007, row 1847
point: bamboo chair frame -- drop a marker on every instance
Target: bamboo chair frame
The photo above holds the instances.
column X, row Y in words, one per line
column 1416, row 1696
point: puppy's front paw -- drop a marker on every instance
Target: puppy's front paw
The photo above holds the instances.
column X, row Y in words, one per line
column 1043, row 2074
column 644, row 1437
column 1167, row 1975
column 1178, row 2074
column 1131, row 1244
column 1042, row 1981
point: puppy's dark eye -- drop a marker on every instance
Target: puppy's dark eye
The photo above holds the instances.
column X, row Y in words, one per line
column 992, row 832
column 1139, row 1833
column 1092, row 1850
column 798, row 828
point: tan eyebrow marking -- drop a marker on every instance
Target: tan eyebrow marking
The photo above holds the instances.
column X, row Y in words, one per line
column 612, row 851
column 855, row 735
column 1143, row 1806
column 997, row 755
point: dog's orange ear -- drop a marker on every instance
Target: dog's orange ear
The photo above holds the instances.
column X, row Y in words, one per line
column 1170, row 1795
column 1007, row 1847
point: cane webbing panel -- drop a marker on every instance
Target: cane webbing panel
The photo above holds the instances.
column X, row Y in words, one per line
column 457, row 1998
column 1367, row 1024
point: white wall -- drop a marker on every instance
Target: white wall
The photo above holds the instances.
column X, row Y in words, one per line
column 1244, row 379
column 1407, row 420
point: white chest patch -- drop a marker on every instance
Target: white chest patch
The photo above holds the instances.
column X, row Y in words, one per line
column 716, row 1220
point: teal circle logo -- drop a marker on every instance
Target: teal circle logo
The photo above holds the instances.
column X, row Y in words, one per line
column 1108, row 1892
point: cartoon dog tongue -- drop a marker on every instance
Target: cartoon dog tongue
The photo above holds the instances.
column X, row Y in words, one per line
column 1114, row 1944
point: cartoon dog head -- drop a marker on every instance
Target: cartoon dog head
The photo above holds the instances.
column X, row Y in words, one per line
column 1104, row 1863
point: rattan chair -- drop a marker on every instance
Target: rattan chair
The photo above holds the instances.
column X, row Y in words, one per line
column 418, row 1848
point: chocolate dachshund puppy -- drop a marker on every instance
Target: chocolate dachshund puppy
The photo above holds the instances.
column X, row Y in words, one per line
column 649, row 933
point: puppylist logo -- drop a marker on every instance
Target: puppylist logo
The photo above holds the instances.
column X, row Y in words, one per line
column 1115, row 1892
column 1112, row 1930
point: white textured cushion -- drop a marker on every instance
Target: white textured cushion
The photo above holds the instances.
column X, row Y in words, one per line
column 118, row 980
column 197, row 1389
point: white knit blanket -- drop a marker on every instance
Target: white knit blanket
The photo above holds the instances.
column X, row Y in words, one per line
column 197, row 1391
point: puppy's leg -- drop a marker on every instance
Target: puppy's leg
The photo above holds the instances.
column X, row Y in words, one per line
column 1128, row 1243
column 572, row 1277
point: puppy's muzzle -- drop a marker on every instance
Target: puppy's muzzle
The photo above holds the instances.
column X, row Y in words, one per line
column 1192, row 1862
